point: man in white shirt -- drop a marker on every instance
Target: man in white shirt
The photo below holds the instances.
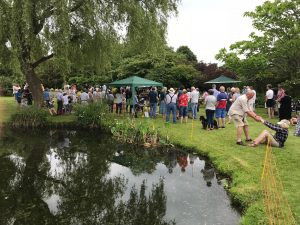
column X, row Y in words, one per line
column 194, row 101
column 216, row 92
column 239, row 111
column 84, row 97
column 253, row 99
column 270, row 103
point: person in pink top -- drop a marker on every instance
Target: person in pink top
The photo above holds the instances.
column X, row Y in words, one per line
column 183, row 104
column 280, row 93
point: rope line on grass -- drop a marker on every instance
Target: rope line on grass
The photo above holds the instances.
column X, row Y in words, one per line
column 277, row 209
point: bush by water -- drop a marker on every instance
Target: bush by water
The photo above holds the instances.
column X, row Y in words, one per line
column 29, row 117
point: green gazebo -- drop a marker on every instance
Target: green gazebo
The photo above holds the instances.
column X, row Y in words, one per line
column 222, row 80
column 134, row 82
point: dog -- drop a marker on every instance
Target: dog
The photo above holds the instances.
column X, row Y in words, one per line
column 205, row 124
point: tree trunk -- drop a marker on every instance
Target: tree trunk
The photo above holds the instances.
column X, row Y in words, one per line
column 35, row 86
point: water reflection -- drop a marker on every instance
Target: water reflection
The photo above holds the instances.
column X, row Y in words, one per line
column 68, row 177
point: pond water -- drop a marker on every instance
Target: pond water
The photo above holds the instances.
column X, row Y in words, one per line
column 71, row 177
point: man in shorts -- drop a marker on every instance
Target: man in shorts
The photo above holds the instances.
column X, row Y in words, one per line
column 221, row 107
column 238, row 112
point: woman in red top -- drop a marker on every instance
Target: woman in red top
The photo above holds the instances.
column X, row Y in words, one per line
column 183, row 104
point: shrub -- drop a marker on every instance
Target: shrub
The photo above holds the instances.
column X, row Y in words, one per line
column 5, row 86
column 260, row 100
column 131, row 132
column 93, row 115
column 29, row 117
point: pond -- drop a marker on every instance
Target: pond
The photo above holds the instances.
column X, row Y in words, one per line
column 86, row 177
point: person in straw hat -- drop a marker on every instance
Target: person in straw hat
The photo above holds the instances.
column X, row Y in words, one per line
column 276, row 140
column 171, row 99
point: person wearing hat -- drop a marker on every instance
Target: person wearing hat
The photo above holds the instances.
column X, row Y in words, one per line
column 171, row 100
column 276, row 140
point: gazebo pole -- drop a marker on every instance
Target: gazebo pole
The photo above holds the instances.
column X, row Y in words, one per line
column 132, row 97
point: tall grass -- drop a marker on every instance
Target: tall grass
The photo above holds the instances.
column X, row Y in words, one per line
column 93, row 115
column 29, row 117
column 131, row 131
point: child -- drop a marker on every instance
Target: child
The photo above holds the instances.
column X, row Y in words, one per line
column 51, row 108
column 276, row 140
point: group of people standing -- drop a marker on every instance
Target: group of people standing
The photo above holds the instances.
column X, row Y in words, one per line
column 23, row 95
column 280, row 102
column 181, row 103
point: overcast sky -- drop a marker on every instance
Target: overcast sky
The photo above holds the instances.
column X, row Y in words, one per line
column 206, row 26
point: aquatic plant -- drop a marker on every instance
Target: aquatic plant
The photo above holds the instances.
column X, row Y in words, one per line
column 131, row 131
column 93, row 115
column 29, row 117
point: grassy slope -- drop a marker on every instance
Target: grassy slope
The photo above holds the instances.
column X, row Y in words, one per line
column 243, row 164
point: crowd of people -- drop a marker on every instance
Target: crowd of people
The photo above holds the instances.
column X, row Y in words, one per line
column 221, row 106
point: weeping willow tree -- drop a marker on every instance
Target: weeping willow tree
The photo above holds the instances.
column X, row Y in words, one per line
column 77, row 32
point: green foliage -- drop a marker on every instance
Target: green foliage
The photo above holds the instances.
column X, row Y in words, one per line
column 274, row 52
column 92, row 115
column 190, row 56
column 260, row 99
column 170, row 68
column 5, row 86
column 131, row 131
column 208, row 72
column 78, row 33
column 29, row 117
column 51, row 76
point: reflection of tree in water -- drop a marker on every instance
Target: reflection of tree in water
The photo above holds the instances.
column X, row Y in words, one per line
column 142, row 210
column 141, row 160
column 86, row 194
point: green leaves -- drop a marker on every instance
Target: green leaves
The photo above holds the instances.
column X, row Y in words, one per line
column 170, row 68
column 29, row 117
column 80, row 33
column 275, row 51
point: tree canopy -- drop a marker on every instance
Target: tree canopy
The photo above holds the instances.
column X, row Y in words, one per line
column 274, row 51
column 72, row 33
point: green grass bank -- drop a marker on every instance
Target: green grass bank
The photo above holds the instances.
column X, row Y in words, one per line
column 243, row 164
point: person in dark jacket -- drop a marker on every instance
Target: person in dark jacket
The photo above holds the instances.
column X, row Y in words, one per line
column 285, row 110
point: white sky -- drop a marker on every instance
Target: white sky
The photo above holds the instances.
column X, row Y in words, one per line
column 206, row 26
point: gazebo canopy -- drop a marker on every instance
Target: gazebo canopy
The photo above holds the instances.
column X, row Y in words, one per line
column 222, row 80
column 135, row 81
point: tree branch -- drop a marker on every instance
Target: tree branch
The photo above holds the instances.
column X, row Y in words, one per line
column 41, row 20
column 77, row 6
column 49, row 12
column 41, row 60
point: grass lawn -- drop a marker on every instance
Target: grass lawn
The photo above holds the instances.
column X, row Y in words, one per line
column 7, row 107
column 243, row 164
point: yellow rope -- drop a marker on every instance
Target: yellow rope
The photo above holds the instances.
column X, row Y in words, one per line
column 277, row 208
